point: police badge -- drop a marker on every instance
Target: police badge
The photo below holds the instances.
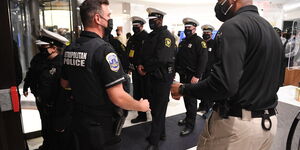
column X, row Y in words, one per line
column 113, row 62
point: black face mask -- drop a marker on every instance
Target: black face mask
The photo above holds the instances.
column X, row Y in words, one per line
column 287, row 36
column 42, row 49
column 188, row 32
column 44, row 52
column 223, row 12
column 152, row 24
column 206, row 36
column 109, row 27
column 136, row 30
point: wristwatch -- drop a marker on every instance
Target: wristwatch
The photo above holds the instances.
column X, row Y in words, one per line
column 181, row 88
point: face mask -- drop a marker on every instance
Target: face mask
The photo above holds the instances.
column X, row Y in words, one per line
column 223, row 12
column 42, row 49
column 287, row 36
column 206, row 36
column 188, row 32
column 109, row 27
column 45, row 52
column 136, row 30
column 152, row 24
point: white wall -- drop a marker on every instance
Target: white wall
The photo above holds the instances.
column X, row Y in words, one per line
column 203, row 13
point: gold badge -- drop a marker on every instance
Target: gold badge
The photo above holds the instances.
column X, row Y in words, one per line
column 131, row 53
column 168, row 42
column 203, row 44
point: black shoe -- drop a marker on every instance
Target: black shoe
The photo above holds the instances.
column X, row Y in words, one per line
column 186, row 131
column 181, row 122
column 162, row 138
column 152, row 147
column 138, row 119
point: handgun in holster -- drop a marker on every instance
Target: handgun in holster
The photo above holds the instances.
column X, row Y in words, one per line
column 120, row 116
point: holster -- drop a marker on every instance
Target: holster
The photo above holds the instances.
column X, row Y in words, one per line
column 120, row 117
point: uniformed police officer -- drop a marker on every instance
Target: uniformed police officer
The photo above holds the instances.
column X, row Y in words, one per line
column 92, row 69
column 207, row 29
column 134, row 46
column 46, row 70
column 243, row 83
column 158, row 58
column 191, row 61
column 122, row 54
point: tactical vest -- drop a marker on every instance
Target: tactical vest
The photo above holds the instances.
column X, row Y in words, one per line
column 83, row 75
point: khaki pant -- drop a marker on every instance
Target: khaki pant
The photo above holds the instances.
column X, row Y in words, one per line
column 236, row 133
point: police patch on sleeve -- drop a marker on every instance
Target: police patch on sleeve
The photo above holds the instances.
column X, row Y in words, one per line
column 168, row 42
column 203, row 44
column 113, row 62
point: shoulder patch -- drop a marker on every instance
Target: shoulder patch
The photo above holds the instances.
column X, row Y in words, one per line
column 168, row 42
column 113, row 62
column 203, row 44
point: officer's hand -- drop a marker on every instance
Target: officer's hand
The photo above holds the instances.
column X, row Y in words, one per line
column 194, row 80
column 25, row 93
column 141, row 70
column 175, row 91
column 144, row 105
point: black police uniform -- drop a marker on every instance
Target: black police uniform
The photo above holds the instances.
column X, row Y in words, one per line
column 205, row 105
column 248, row 71
column 134, row 46
column 91, row 66
column 46, row 88
column 33, row 73
column 122, row 53
column 191, row 61
column 158, row 59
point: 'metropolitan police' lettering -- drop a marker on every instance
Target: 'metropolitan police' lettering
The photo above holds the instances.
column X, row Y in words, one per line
column 75, row 58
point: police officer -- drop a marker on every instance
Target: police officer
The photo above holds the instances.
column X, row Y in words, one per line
column 191, row 61
column 243, row 83
column 46, row 70
column 122, row 54
column 207, row 29
column 92, row 69
column 158, row 58
column 134, row 46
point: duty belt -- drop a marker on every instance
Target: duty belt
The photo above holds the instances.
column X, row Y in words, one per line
column 264, row 114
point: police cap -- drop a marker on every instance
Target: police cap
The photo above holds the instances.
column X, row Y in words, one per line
column 137, row 20
column 207, row 28
column 53, row 38
column 39, row 42
column 155, row 13
column 190, row 22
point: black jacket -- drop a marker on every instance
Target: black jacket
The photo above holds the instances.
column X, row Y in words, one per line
column 192, row 56
column 134, row 47
column 248, row 70
column 159, row 51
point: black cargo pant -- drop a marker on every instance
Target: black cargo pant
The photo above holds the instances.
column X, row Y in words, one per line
column 189, row 102
column 139, row 89
column 46, row 114
column 159, row 98
column 205, row 103
column 92, row 132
